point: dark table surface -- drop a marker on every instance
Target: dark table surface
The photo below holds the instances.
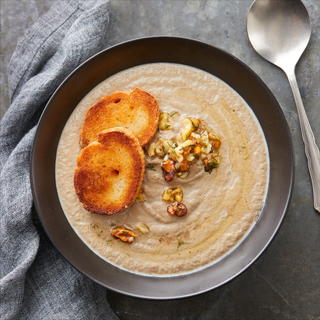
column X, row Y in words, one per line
column 285, row 282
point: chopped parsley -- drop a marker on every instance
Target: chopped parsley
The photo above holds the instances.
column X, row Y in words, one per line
column 150, row 167
column 112, row 224
column 190, row 145
column 95, row 226
column 109, row 240
column 214, row 163
column 180, row 243
column 173, row 113
column 194, row 126
column 178, row 234
column 164, row 151
column 167, row 126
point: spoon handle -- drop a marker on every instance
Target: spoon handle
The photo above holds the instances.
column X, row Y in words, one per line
column 311, row 149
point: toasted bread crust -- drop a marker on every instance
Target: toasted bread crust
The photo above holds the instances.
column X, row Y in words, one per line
column 137, row 111
column 109, row 172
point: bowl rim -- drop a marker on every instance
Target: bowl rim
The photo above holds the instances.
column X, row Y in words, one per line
column 186, row 285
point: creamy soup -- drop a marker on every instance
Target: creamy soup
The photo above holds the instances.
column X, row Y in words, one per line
column 222, row 206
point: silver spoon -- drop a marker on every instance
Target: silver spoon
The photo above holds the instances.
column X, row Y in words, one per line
column 279, row 30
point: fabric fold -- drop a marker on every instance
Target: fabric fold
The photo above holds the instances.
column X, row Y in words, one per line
column 37, row 282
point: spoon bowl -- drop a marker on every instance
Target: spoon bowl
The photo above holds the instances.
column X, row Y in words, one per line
column 279, row 30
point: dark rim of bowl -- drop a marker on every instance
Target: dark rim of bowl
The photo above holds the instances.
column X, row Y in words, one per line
column 152, row 50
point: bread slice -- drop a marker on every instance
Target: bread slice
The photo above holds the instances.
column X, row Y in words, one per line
column 137, row 111
column 109, row 172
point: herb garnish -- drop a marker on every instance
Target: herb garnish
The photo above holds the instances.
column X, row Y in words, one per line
column 164, row 151
column 109, row 240
column 194, row 126
column 150, row 167
column 125, row 232
column 210, row 165
column 215, row 138
column 173, row 113
column 167, row 125
column 178, row 234
column 95, row 226
column 190, row 145
column 112, row 224
column 101, row 231
column 180, row 243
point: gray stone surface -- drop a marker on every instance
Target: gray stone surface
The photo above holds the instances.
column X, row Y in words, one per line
column 285, row 282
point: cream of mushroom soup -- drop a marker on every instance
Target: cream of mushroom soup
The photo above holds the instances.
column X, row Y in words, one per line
column 222, row 205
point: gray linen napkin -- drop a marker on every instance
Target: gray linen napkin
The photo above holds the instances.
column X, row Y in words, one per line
column 37, row 283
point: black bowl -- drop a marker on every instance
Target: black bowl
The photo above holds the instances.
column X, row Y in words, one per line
column 152, row 50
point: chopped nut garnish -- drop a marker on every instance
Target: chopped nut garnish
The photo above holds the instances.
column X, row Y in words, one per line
column 197, row 149
column 184, row 167
column 178, row 209
column 183, row 175
column 194, row 145
column 143, row 227
column 215, row 140
column 164, row 123
column 173, row 194
column 189, row 125
column 151, row 149
column 160, row 149
column 210, row 164
column 169, row 169
column 171, row 211
column 123, row 234
column 178, row 153
column 140, row 196
column 182, row 210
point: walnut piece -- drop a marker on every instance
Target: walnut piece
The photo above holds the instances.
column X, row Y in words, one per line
column 169, row 169
column 164, row 123
column 140, row 196
column 173, row 194
column 143, row 227
column 123, row 234
column 178, row 209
